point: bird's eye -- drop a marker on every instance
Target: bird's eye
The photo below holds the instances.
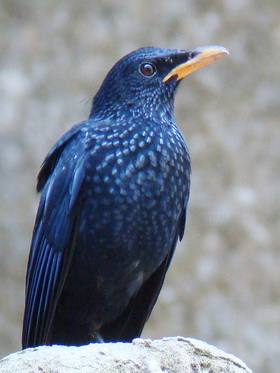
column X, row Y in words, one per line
column 147, row 69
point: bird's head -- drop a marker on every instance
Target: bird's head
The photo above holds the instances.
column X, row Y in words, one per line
column 144, row 82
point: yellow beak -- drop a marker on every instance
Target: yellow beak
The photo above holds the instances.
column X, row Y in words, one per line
column 202, row 56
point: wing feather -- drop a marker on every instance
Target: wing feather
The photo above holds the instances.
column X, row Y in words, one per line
column 54, row 236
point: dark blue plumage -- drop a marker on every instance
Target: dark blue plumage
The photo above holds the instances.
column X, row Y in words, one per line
column 114, row 196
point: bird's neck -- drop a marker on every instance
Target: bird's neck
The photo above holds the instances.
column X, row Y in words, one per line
column 157, row 111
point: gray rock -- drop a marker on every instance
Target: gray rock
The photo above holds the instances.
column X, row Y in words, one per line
column 177, row 354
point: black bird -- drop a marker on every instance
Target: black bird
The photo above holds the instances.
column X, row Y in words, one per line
column 115, row 190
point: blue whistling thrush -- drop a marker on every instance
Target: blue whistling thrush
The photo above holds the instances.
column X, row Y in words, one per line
column 114, row 196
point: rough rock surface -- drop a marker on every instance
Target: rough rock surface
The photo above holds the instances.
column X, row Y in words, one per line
column 175, row 354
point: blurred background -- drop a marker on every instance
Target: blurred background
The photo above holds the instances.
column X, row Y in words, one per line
column 223, row 284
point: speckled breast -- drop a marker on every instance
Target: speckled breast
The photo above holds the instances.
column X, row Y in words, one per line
column 138, row 188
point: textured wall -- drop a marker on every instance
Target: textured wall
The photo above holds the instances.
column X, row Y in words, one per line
column 223, row 285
